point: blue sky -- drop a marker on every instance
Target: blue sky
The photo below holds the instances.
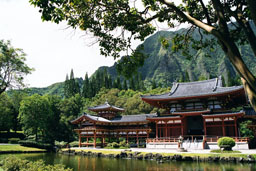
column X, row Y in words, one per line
column 51, row 49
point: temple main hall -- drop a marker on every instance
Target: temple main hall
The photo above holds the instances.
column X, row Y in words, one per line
column 200, row 112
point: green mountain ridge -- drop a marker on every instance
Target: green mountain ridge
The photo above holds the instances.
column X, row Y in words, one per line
column 165, row 67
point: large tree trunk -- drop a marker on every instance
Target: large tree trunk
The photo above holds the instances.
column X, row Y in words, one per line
column 248, row 79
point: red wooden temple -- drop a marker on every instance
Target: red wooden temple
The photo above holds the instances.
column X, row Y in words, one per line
column 108, row 124
column 200, row 109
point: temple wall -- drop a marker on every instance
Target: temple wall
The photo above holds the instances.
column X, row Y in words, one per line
column 238, row 146
column 162, row 145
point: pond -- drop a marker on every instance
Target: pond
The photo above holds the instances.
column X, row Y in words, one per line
column 81, row 163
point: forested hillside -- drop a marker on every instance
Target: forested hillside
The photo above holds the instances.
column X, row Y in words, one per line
column 163, row 66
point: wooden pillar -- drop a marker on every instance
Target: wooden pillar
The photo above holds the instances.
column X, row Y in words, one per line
column 127, row 139
column 156, row 129
column 236, row 127
column 204, row 126
column 181, row 127
column 94, row 141
column 166, row 128
column 87, row 141
column 223, row 127
column 137, row 135
column 79, row 139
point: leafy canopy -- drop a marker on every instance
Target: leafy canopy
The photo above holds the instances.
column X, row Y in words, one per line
column 12, row 66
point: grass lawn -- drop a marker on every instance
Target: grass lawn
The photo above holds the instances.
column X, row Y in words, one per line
column 226, row 155
column 10, row 148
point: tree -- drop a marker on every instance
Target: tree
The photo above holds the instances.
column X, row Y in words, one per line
column 87, row 91
column 227, row 21
column 12, row 66
column 71, row 86
column 6, row 111
column 35, row 113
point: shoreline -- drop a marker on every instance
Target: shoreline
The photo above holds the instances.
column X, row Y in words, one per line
column 165, row 155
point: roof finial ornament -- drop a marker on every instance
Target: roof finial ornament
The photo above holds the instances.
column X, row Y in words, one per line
column 106, row 102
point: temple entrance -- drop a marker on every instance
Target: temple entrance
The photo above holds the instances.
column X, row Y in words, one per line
column 195, row 125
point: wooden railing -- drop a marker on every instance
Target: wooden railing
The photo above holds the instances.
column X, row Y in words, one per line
column 162, row 140
column 194, row 138
column 215, row 139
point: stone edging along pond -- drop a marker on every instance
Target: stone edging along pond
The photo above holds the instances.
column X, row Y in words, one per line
column 160, row 157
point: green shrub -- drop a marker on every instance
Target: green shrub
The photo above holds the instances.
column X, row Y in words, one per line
column 226, row 143
column 13, row 140
column 115, row 145
column 60, row 144
column 3, row 140
column 32, row 143
column 74, row 144
column 15, row 164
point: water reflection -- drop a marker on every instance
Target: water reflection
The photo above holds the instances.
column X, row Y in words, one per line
column 80, row 163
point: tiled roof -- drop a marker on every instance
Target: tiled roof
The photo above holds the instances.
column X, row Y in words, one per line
column 194, row 89
column 125, row 118
column 133, row 118
column 105, row 106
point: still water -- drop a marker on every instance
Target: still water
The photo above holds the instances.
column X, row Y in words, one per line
column 80, row 163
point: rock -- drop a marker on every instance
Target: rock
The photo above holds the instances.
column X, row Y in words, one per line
column 232, row 159
column 123, row 154
column 187, row 158
column 140, row 157
column 177, row 157
column 117, row 156
column 216, row 159
column 136, row 153
column 148, row 156
column 158, row 156
column 130, row 155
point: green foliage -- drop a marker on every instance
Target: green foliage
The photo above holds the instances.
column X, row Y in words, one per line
column 35, row 115
column 16, row 164
column 12, row 66
column 225, row 151
column 36, row 144
column 74, row 144
column 60, row 144
column 71, row 86
column 13, row 140
column 6, row 113
column 244, row 130
column 226, row 142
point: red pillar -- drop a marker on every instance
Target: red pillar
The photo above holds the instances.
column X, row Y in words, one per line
column 94, row 142
column 223, row 127
column 236, row 127
column 137, row 135
column 79, row 138
column 127, row 139
column 166, row 129
column 156, row 129
column 204, row 126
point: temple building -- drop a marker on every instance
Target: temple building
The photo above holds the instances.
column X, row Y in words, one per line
column 200, row 112
column 108, row 124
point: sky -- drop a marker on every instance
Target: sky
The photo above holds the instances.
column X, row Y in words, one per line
column 52, row 50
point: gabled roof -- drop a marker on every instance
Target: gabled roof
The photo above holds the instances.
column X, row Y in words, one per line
column 89, row 117
column 119, row 119
column 104, row 107
column 133, row 118
column 194, row 89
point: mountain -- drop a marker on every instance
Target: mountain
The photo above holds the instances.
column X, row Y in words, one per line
column 165, row 67
column 54, row 89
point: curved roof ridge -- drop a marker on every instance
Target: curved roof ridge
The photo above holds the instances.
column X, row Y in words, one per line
column 196, row 82
column 174, row 88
